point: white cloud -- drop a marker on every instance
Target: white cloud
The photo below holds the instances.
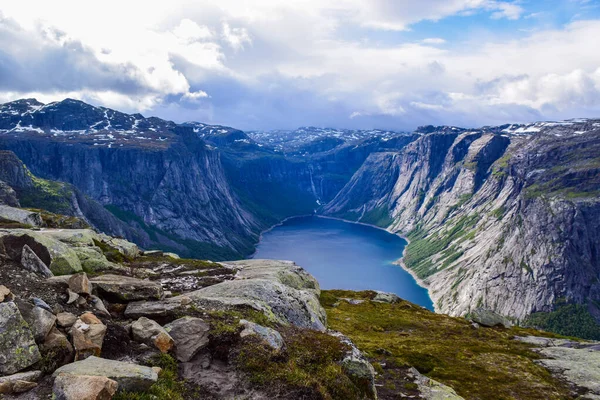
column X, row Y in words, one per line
column 273, row 62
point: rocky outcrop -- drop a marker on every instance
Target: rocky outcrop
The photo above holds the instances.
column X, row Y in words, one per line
column 281, row 290
column 19, row 215
column 495, row 220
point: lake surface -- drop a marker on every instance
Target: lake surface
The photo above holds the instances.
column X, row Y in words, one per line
column 343, row 255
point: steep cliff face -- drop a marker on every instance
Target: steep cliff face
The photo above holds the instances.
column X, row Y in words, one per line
column 497, row 220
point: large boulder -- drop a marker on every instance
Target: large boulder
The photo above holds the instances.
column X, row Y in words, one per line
column 80, row 284
column 130, row 377
column 431, row 389
column 281, row 290
column 128, row 249
column 485, row 317
column 8, row 196
column 356, row 366
column 17, row 345
column 124, row 288
column 190, row 335
column 59, row 257
column 22, row 216
column 83, row 387
column 147, row 331
column 74, row 237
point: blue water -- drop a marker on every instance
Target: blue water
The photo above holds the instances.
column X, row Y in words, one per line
column 342, row 255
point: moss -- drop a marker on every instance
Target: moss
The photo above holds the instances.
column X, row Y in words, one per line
column 475, row 362
column 112, row 254
column 308, row 367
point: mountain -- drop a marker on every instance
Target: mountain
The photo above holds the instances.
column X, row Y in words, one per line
column 503, row 218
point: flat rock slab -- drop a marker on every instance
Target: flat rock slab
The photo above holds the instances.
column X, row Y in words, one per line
column 17, row 345
column 578, row 366
column 130, row 377
column 124, row 288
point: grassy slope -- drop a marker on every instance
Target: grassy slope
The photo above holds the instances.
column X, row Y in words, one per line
column 479, row 363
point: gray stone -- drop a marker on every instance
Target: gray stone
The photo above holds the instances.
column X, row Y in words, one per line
column 267, row 335
column 147, row 331
column 154, row 309
column 19, row 383
column 190, row 335
column 58, row 346
column 8, row 196
column 84, row 387
column 130, row 377
column 153, row 253
column 31, row 262
column 17, row 345
column 40, row 321
column 128, row 249
column 488, row 318
column 29, row 376
column 385, row 297
column 22, row 216
column 431, row 389
column 124, row 288
column 99, row 305
column 42, row 304
column 72, row 296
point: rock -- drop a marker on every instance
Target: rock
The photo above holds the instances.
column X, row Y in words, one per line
column 124, row 288
column 172, row 255
column 99, row 306
column 65, row 319
column 89, row 318
column 5, row 294
column 17, row 345
column 147, row 331
column 281, row 290
column 25, row 217
column 190, row 335
column 8, row 196
column 16, row 387
column 92, row 259
column 80, row 284
column 384, row 297
column 488, row 318
column 154, row 309
column 74, row 237
column 153, row 253
column 42, row 304
column 87, row 338
column 59, row 257
column 128, row 249
column 19, row 383
column 31, row 262
column 130, row 377
column 73, row 297
column 433, row 390
column 40, row 321
column 83, row 387
column 81, row 301
column 58, row 347
column 356, row 366
column 268, row 335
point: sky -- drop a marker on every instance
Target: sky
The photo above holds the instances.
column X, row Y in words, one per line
column 272, row 64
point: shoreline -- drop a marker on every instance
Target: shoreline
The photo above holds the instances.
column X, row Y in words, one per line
column 399, row 262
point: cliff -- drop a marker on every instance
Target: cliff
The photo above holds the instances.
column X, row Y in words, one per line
column 497, row 220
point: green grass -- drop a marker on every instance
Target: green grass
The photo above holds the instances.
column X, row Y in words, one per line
column 168, row 386
column 379, row 216
column 479, row 363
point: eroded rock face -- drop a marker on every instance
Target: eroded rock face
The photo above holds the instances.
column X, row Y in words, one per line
column 130, row 377
column 190, row 335
column 17, row 345
column 78, row 387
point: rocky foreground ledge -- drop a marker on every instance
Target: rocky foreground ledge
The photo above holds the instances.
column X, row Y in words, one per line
column 88, row 316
